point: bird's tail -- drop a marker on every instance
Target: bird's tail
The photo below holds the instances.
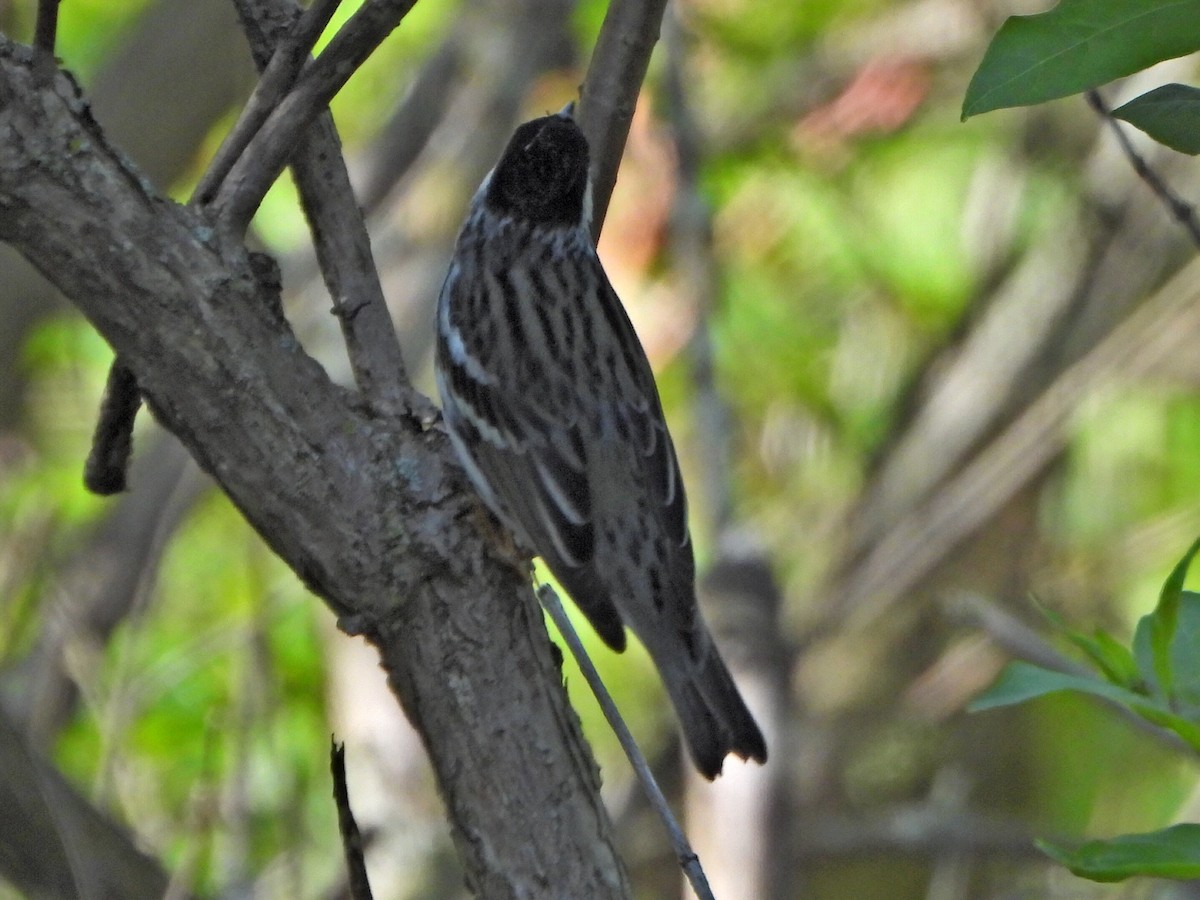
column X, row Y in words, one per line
column 714, row 717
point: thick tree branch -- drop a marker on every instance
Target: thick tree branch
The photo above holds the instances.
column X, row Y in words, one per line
column 281, row 35
column 370, row 512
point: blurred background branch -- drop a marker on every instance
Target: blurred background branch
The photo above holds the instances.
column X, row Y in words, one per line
column 905, row 357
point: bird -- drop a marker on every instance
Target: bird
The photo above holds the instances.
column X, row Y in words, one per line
column 553, row 411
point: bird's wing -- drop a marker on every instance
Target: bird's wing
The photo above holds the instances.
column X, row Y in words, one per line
column 632, row 403
column 527, row 460
column 539, row 489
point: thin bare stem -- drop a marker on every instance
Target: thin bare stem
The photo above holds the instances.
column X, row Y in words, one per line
column 688, row 859
column 1180, row 210
column 610, row 90
column 352, row 840
column 277, row 78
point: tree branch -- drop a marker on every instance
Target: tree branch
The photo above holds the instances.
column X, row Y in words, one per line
column 610, row 91
column 689, row 862
column 266, row 155
column 370, row 512
column 340, row 237
column 45, row 32
column 104, row 473
column 279, row 69
column 1165, row 326
column 281, row 35
column 55, row 843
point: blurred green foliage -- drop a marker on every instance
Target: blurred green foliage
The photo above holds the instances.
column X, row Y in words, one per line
column 1155, row 679
column 842, row 271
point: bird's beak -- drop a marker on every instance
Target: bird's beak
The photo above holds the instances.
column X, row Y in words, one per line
column 568, row 111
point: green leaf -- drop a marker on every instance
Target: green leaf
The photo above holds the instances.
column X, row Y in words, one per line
column 1143, row 654
column 1164, row 620
column 1184, row 664
column 1169, row 114
column 1155, row 714
column 1113, row 658
column 1171, row 853
column 1185, row 657
column 1079, row 45
column 1022, row 681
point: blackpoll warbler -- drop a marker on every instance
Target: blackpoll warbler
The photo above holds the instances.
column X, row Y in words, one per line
column 553, row 410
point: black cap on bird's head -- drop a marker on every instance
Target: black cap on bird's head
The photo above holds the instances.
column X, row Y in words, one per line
column 542, row 175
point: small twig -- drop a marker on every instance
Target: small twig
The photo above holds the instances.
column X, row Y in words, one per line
column 1009, row 633
column 105, row 471
column 264, row 158
column 610, row 89
column 1181, row 210
column 679, row 842
column 352, row 842
column 378, row 371
column 45, row 33
column 277, row 78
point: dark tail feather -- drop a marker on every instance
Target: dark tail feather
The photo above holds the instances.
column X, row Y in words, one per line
column 715, row 719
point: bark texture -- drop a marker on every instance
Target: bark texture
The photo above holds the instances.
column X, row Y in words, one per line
column 369, row 511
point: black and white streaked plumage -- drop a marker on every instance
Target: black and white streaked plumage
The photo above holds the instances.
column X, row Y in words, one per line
column 553, row 410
